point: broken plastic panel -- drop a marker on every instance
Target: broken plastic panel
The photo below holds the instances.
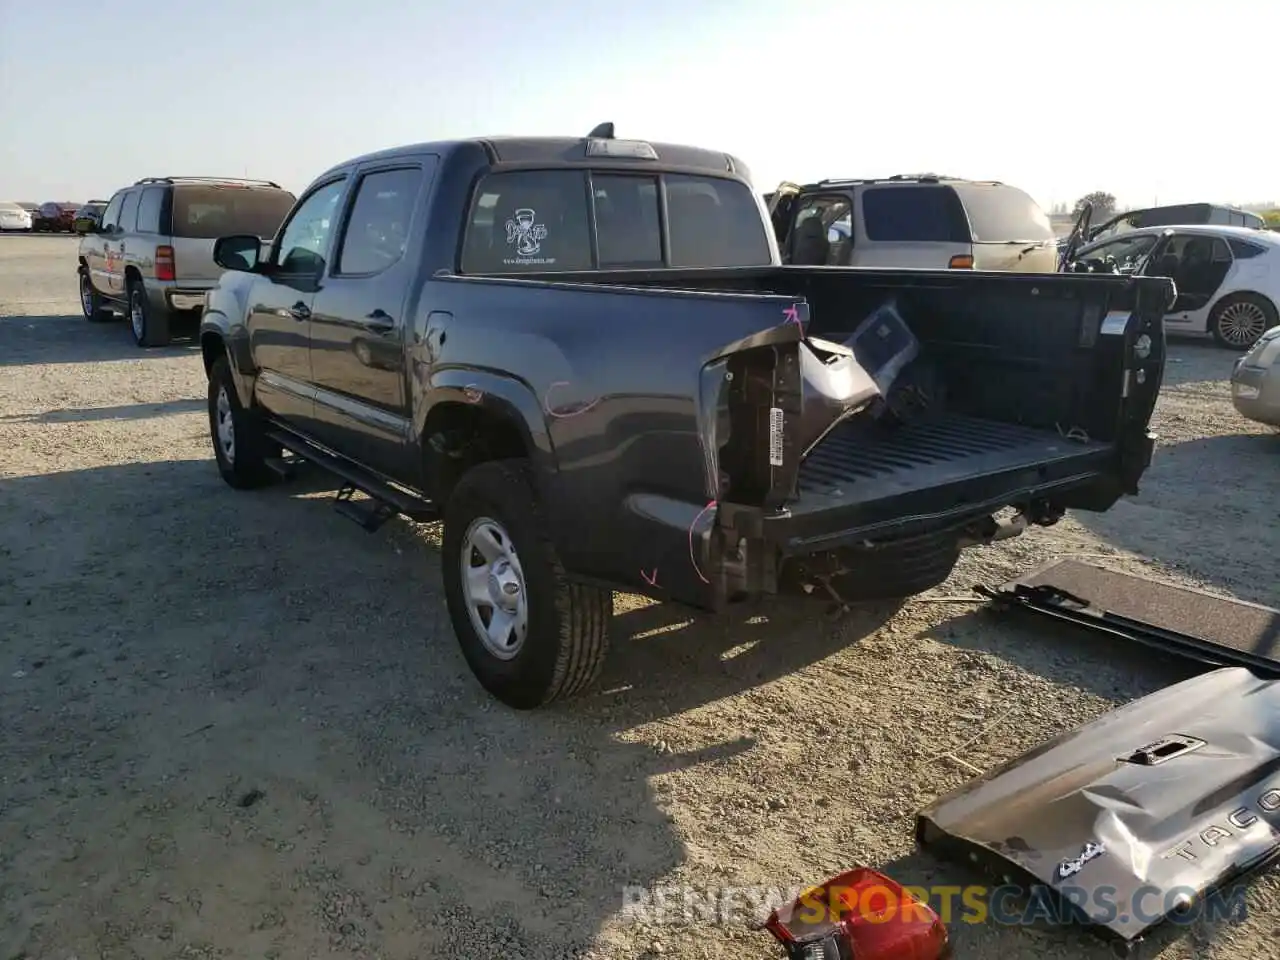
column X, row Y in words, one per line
column 859, row 915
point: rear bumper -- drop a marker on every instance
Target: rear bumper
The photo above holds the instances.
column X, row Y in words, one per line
column 179, row 297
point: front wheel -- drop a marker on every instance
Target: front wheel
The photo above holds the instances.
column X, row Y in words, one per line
column 529, row 635
column 239, row 447
column 1240, row 319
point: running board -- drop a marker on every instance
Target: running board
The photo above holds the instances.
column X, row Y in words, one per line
column 385, row 500
column 1191, row 624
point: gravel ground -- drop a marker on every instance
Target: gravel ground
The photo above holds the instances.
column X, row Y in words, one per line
column 236, row 725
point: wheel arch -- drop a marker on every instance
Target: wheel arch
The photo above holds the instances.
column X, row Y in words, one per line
column 470, row 428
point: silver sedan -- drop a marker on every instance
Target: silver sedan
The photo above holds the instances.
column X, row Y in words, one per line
column 1255, row 382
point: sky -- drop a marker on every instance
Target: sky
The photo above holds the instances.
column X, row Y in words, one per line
column 1126, row 96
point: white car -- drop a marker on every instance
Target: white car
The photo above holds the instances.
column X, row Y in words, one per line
column 13, row 217
column 1228, row 278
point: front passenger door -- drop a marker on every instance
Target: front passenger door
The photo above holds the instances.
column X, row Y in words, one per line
column 279, row 313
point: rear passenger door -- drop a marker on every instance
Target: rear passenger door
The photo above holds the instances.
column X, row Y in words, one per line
column 98, row 246
column 359, row 316
column 131, row 252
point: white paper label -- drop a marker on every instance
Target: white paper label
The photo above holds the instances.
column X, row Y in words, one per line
column 1114, row 324
column 775, row 436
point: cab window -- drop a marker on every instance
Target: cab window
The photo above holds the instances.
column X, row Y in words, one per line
column 305, row 240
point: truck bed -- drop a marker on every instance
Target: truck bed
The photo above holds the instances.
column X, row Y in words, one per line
column 931, row 465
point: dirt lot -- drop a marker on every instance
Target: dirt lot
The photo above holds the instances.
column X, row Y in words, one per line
column 236, row 725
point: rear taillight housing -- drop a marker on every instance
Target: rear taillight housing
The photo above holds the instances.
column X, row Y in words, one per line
column 859, row 915
column 165, row 268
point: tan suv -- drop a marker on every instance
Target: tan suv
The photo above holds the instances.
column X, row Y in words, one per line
column 151, row 255
column 920, row 220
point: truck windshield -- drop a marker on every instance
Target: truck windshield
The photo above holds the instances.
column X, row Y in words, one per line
column 1002, row 214
column 205, row 213
column 530, row 220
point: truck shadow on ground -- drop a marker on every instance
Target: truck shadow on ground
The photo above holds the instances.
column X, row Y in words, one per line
column 128, row 411
column 1227, row 540
column 222, row 717
column 26, row 340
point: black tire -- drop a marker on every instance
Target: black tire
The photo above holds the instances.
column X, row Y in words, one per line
column 566, row 638
column 1239, row 320
column 895, row 571
column 90, row 302
column 150, row 325
column 244, row 465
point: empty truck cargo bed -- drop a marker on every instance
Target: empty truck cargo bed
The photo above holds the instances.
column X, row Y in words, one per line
column 930, row 467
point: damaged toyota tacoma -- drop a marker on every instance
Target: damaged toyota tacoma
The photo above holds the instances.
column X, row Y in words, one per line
column 584, row 356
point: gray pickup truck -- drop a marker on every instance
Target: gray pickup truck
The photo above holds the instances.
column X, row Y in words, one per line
column 584, row 355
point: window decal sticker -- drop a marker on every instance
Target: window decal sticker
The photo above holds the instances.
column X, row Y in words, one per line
column 526, row 233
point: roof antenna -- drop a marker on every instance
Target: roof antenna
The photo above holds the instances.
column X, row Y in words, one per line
column 602, row 131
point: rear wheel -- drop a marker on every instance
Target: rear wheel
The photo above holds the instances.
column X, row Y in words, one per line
column 529, row 635
column 1240, row 319
column 150, row 325
column 90, row 302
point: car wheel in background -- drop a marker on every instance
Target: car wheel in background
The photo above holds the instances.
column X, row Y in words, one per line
column 150, row 326
column 1239, row 320
column 529, row 635
column 90, row 302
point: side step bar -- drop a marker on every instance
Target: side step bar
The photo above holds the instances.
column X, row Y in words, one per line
column 385, row 500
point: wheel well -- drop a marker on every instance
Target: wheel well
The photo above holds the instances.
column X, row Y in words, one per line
column 211, row 348
column 83, row 263
column 457, row 436
column 132, row 273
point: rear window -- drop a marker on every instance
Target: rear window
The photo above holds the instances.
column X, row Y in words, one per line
column 1000, row 214
column 205, row 213
column 541, row 220
column 916, row 214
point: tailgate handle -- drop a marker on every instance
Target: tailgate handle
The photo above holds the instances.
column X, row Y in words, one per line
column 1163, row 749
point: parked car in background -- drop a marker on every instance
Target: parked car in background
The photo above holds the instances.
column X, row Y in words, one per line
column 151, row 253
column 13, row 217
column 920, row 220
column 1175, row 215
column 53, row 217
column 88, row 216
column 1255, row 381
column 1228, row 278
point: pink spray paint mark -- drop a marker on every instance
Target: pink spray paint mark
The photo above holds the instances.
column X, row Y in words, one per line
column 650, row 580
column 692, row 558
column 792, row 313
column 581, row 408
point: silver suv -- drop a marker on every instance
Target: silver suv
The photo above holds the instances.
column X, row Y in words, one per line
column 151, row 255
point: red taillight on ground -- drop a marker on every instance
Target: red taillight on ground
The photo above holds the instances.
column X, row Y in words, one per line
column 165, row 268
column 961, row 261
column 860, row 914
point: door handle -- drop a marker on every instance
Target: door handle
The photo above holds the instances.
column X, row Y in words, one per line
column 379, row 321
column 300, row 311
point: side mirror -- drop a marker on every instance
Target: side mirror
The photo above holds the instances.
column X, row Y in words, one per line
column 239, row 252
